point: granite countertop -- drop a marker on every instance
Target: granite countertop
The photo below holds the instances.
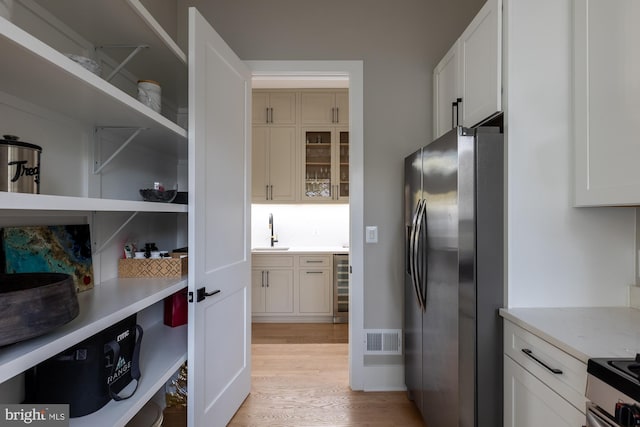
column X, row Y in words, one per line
column 302, row 250
column 583, row 332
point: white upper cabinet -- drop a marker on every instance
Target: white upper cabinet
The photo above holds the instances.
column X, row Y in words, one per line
column 274, row 164
column 324, row 108
column 276, row 108
column 446, row 93
column 606, row 102
column 481, row 65
column 468, row 80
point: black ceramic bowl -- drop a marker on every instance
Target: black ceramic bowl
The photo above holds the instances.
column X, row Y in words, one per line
column 151, row 195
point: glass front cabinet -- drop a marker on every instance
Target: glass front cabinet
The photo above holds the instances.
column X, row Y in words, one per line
column 325, row 164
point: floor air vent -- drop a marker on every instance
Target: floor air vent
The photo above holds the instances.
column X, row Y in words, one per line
column 383, row 341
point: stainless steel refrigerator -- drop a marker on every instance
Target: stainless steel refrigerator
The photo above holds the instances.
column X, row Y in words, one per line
column 454, row 278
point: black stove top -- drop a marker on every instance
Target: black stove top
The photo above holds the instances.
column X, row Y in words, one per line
column 621, row 373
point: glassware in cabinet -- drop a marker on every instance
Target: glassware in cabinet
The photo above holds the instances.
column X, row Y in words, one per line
column 326, row 164
column 318, row 164
column 344, row 164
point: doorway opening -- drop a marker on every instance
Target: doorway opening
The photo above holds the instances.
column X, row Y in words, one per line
column 333, row 74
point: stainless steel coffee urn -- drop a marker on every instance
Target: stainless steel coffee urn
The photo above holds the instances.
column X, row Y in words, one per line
column 21, row 163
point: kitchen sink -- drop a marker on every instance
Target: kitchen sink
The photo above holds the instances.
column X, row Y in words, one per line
column 269, row 248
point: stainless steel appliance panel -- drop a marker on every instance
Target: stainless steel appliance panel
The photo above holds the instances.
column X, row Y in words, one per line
column 412, row 304
column 441, row 248
column 597, row 418
column 481, row 277
column 454, row 258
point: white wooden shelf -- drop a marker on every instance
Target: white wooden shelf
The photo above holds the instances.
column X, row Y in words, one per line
column 127, row 22
column 46, row 78
column 101, row 307
column 43, row 202
column 162, row 352
column 43, row 76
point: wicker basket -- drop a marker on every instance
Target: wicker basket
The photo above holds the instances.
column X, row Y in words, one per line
column 152, row 267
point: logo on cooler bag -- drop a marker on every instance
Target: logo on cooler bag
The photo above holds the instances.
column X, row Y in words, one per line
column 122, row 367
column 122, row 336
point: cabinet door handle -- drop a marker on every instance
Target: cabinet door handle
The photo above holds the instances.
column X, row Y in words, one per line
column 313, row 261
column 267, row 278
column 271, row 115
column 267, row 111
column 266, row 192
column 454, row 105
column 458, row 102
column 262, row 284
column 337, row 115
column 271, row 192
column 530, row 354
column 314, row 272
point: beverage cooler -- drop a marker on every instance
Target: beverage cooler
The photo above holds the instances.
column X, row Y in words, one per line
column 340, row 288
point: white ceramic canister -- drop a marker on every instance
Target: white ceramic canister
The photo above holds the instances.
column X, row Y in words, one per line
column 150, row 94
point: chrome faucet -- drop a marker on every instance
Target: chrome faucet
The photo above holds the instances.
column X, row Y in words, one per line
column 274, row 238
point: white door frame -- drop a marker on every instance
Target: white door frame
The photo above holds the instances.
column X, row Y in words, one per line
column 354, row 71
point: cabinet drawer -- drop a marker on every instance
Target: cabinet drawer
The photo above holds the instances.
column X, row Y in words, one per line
column 540, row 357
column 314, row 260
column 272, row 260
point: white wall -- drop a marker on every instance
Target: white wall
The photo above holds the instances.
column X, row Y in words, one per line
column 558, row 255
column 301, row 225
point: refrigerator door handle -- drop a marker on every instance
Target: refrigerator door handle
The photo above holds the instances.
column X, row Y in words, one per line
column 407, row 249
column 413, row 256
column 420, row 248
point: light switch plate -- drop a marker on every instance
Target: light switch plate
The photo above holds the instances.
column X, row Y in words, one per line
column 371, row 234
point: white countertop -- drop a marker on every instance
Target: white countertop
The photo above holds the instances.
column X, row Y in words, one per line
column 302, row 250
column 583, row 332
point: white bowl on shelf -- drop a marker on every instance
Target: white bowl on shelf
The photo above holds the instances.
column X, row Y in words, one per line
column 87, row 63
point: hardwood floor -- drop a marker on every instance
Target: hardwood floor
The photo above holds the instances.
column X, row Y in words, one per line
column 300, row 333
column 298, row 380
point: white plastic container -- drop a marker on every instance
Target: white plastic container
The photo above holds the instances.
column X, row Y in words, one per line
column 150, row 94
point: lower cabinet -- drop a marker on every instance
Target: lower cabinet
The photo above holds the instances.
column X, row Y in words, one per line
column 315, row 291
column 530, row 403
column 272, row 284
column 292, row 287
column 543, row 385
column 272, row 291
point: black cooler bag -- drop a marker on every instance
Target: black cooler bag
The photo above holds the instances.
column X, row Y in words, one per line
column 88, row 375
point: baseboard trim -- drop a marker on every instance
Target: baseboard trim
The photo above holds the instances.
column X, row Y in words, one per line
column 384, row 378
column 292, row 319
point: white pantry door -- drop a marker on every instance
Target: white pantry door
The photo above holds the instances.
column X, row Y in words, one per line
column 219, row 360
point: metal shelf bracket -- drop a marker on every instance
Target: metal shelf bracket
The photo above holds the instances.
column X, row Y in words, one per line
column 96, row 162
column 115, row 233
column 136, row 50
